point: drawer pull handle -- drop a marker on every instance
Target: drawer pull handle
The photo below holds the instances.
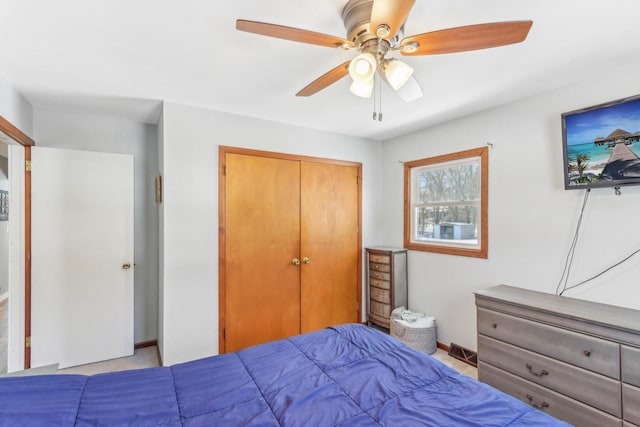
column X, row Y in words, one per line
column 537, row 374
column 536, row 404
column 586, row 353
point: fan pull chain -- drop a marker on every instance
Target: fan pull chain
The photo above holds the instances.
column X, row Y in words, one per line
column 379, row 99
column 377, row 115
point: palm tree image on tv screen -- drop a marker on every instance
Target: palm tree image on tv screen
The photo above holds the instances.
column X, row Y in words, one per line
column 602, row 145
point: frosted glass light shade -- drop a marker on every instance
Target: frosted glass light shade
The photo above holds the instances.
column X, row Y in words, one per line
column 362, row 88
column 363, row 67
column 396, row 73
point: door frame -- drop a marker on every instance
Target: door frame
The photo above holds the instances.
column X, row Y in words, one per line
column 222, row 152
column 21, row 138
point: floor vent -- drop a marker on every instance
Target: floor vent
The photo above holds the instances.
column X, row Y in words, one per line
column 464, row 354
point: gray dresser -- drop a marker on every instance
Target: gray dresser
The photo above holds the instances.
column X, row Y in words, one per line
column 576, row 360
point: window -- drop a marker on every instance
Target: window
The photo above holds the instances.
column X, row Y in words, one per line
column 445, row 203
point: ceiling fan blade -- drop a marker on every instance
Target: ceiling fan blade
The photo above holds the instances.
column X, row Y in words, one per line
column 392, row 13
column 472, row 37
column 325, row 80
column 290, row 33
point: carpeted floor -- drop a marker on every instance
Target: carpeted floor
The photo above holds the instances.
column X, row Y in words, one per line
column 142, row 358
column 148, row 357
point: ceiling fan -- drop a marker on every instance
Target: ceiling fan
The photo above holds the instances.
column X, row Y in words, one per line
column 375, row 28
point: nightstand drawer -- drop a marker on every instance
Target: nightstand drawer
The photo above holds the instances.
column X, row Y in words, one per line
column 591, row 353
column 384, row 268
column 380, row 295
column 631, row 365
column 382, row 259
column 588, row 387
column 379, row 309
column 546, row 400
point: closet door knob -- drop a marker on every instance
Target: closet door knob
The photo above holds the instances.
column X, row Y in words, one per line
column 306, row 260
column 295, row 261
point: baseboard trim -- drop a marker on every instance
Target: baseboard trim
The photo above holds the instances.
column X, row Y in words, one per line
column 444, row 347
column 145, row 344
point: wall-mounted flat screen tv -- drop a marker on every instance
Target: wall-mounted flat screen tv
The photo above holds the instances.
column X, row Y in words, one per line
column 602, row 145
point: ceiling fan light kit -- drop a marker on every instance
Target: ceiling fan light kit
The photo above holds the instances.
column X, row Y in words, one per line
column 362, row 88
column 375, row 28
column 363, row 67
column 395, row 73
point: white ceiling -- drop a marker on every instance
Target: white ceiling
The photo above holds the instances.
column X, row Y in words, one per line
column 120, row 57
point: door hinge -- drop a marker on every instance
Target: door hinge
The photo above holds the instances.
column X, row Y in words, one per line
column 27, row 342
column 27, row 165
column 224, row 334
column 224, row 170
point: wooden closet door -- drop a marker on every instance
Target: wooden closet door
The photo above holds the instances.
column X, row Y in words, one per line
column 330, row 240
column 262, row 197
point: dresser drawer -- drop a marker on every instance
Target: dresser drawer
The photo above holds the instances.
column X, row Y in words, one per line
column 631, row 403
column 382, row 259
column 549, row 401
column 379, row 275
column 379, row 309
column 384, row 268
column 382, row 284
column 587, row 352
column 631, row 365
column 380, row 295
column 588, row 387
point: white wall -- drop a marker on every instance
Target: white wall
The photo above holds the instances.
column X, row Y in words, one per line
column 15, row 108
column 84, row 131
column 531, row 217
column 189, row 314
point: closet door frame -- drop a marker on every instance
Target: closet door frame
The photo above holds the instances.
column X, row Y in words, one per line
column 222, row 152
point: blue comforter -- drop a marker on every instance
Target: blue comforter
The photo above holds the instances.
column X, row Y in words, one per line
column 349, row 375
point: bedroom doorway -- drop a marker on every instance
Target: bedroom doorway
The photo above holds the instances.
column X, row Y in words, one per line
column 290, row 245
column 19, row 146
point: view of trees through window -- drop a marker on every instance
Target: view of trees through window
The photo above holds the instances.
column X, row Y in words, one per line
column 446, row 203
column 447, row 195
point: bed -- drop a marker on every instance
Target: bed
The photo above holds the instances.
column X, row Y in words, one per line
column 349, row 375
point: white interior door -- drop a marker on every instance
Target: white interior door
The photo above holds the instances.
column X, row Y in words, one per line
column 82, row 237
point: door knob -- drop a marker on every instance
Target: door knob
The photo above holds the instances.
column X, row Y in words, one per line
column 295, row 261
column 306, row 260
column 126, row 266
